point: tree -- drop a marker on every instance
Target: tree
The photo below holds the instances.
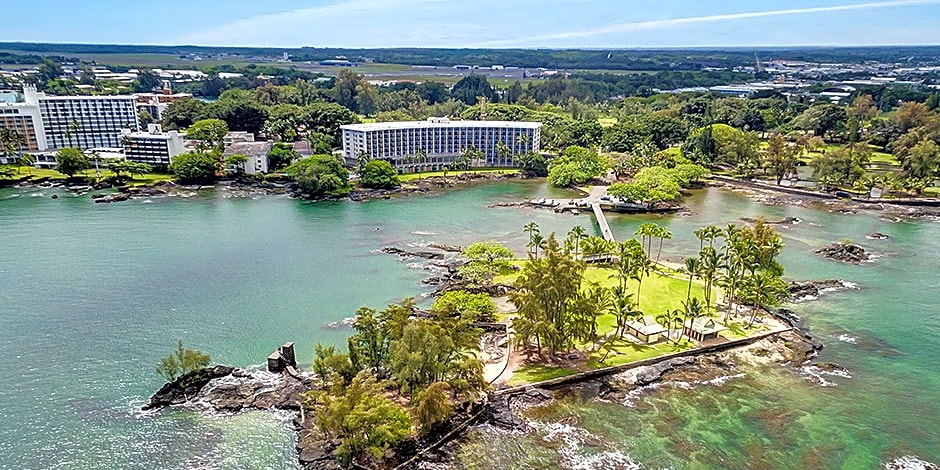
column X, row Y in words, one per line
column 922, row 161
column 145, row 118
column 181, row 362
column 470, row 307
column 470, row 88
column 842, row 165
column 432, row 407
column 236, row 163
column 210, row 134
column 761, row 289
column 346, row 88
column 147, row 81
column 379, row 174
column 281, row 156
column 822, row 119
column 911, row 115
column 779, row 157
column 576, row 165
column 194, row 167
column 577, row 234
column 320, row 175
column 360, row 415
column 484, row 261
column 70, row 161
column 546, row 295
column 124, row 167
column 331, row 365
column 183, row 113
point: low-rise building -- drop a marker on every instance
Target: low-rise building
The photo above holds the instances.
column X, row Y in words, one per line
column 256, row 152
column 153, row 147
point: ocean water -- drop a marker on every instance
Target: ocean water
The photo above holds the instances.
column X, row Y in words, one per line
column 93, row 295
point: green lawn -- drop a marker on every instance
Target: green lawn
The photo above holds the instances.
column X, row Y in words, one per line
column 658, row 293
column 622, row 351
column 138, row 180
column 408, row 177
column 537, row 372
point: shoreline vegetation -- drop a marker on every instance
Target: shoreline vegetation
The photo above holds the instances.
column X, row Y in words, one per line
column 410, row 380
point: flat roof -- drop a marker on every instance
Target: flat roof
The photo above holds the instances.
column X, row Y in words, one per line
column 441, row 124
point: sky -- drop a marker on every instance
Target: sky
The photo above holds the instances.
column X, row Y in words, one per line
column 476, row 23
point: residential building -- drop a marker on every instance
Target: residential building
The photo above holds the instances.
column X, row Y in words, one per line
column 26, row 120
column 431, row 145
column 83, row 121
column 257, row 153
column 153, row 147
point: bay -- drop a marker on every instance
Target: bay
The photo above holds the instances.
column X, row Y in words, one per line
column 95, row 294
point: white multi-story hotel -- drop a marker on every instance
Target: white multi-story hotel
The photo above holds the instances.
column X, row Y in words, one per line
column 83, row 121
column 153, row 147
column 440, row 139
column 25, row 120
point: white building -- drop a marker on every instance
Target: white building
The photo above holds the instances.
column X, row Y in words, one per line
column 26, row 120
column 153, row 147
column 442, row 140
column 256, row 152
column 83, row 121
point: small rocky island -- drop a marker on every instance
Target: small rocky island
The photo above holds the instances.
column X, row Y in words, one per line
column 845, row 252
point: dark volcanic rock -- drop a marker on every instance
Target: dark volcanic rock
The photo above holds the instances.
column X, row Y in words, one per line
column 845, row 252
column 231, row 389
column 417, row 254
column 784, row 221
column 186, row 387
column 876, row 236
column 812, row 289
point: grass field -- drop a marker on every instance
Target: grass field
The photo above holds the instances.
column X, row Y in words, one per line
column 538, row 372
column 137, row 180
column 409, row 177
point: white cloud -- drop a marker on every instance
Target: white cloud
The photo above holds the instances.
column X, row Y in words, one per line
column 285, row 28
column 673, row 22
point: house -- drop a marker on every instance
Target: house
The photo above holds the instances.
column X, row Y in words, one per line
column 257, row 153
column 702, row 328
column 646, row 329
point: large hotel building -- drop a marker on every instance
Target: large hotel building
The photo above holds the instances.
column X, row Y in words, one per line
column 83, row 121
column 440, row 139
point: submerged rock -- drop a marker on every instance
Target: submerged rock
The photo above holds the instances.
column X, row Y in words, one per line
column 845, row 252
column 877, row 236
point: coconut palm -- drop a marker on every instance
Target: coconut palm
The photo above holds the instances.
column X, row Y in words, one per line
column 710, row 262
column 576, row 234
column 692, row 268
column 669, row 319
column 662, row 233
column 693, row 309
column 531, row 228
column 536, row 241
column 763, row 288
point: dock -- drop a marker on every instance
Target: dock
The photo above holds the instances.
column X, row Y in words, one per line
column 602, row 222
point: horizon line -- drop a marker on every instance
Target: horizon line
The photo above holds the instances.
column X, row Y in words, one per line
column 495, row 48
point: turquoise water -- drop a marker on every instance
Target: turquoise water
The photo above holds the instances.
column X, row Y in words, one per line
column 94, row 295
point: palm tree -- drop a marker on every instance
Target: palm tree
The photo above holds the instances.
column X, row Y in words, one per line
column 764, row 288
column 693, row 310
column 668, row 320
column 662, row 233
column 576, row 234
column 537, row 241
column 642, row 267
column 28, row 161
column 710, row 262
column 72, row 128
column 692, row 268
column 646, row 232
column 531, row 228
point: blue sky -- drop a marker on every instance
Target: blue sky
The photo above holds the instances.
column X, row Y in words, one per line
column 476, row 23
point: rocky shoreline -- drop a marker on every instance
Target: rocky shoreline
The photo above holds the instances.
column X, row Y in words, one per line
column 255, row 188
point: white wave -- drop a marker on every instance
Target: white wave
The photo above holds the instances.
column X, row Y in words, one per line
column 418, row 232
column 572, row 440
column 817, row 375
column 910, row 462
column 415, row 266
column 848, row 339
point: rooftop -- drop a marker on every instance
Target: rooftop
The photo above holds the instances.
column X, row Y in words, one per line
column 441, row 123
column 249, row 148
